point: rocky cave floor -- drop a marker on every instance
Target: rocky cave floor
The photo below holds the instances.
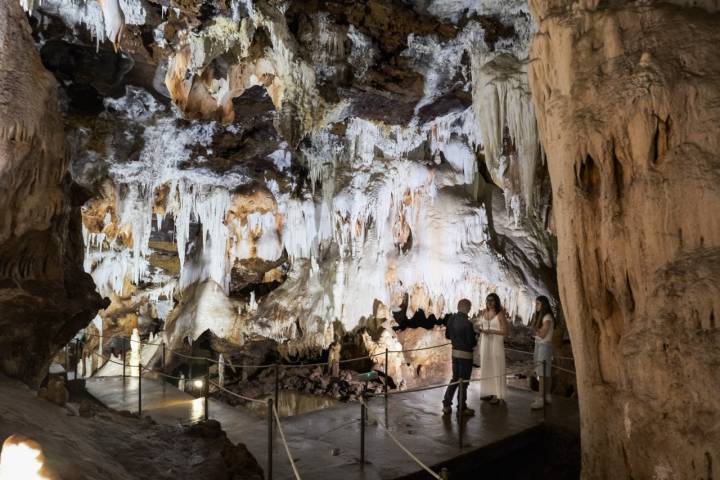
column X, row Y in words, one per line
column 83, row 440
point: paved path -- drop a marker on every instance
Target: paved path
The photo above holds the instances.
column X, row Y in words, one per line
column 414, row 418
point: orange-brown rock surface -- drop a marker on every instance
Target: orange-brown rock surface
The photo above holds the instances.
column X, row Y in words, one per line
column 627, row 101
column 45, row 297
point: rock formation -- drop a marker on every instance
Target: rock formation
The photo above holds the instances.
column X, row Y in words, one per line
column 45, row 296
column 626, row 97
column 317, row 168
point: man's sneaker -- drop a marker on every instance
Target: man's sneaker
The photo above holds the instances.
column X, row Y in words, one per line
column 537, row 404
column 447, row 410
column 467, row 412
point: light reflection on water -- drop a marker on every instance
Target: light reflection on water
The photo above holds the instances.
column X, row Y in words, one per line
column 292, row 403
column 197, row 410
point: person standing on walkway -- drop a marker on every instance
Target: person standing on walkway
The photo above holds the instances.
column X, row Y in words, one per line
column 460, row 332
column 492, row 329
column 543, row 324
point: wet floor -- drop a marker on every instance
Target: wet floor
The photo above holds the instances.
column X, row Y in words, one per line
column 291, row 403
column 326, row 443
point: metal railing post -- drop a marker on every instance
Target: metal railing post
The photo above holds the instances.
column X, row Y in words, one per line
column 363, row 415
column 140, row 390
column 543, row 388
column 277, row 384
column 385, row 387
column 67, row 360
column 270, row 439
column 122, row 350
column 163, row 356
column 78, row 356
column 207, row 386
column 461, row 412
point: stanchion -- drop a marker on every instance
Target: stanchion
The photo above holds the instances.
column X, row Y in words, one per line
column 363, row 415
column 461, row 412
column 67, row 360
column 385, row 387
column 544, row 389
column 207, row 386
column 444, row 474
column 122, row 352
column 78, row 356
column 270, row 439
column 140, row 390
column 163, row 356
column 277, row 384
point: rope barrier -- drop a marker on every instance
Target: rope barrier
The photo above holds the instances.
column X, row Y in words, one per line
column 108, row 359
column 417, row 389
column 397, row 442
column 563, row 369
column 301, row 365
column 555, row 357
column 191, row 357
column 142, row 342
column 287, row 449
column 415, row 349
column 248, row 399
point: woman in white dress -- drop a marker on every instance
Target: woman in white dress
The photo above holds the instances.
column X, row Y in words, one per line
column 492, row 328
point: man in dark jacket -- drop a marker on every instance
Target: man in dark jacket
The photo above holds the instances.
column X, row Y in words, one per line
column 461, row 334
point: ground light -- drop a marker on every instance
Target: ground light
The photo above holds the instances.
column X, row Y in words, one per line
column 22, row 458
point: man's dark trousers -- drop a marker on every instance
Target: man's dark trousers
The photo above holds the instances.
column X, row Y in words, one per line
column 461, row 369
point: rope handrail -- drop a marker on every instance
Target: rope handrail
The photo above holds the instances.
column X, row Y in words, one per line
column 397, row 442
column 191, row 357
column 415, row 349
column 242, row 397
column 316, row 364
column 441, row 385
column 563, row 369
column 416, row 389
column 142, row 342
column 287, row 448
column 555, row 357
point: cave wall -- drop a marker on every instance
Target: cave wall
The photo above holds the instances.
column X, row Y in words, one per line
column 45, row 296
column 627, row 97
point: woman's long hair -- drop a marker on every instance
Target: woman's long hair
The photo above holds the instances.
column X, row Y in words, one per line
column 545, row 309
column 498, row 305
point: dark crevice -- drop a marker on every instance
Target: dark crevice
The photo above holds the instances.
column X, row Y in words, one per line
column 630, row 295
column 618, row 174
column 660, row 143
column 588, row 178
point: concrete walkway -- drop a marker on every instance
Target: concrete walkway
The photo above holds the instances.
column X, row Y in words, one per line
column 326, row 444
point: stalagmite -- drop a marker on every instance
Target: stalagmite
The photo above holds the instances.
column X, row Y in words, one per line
column 135, row 353
column 221, row 370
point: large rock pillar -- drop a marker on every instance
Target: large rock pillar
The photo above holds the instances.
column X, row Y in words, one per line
column 628, row 102
column 45, row 297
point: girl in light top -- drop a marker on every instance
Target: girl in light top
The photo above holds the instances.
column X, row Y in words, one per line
column 492, row 328
column 543, row 323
